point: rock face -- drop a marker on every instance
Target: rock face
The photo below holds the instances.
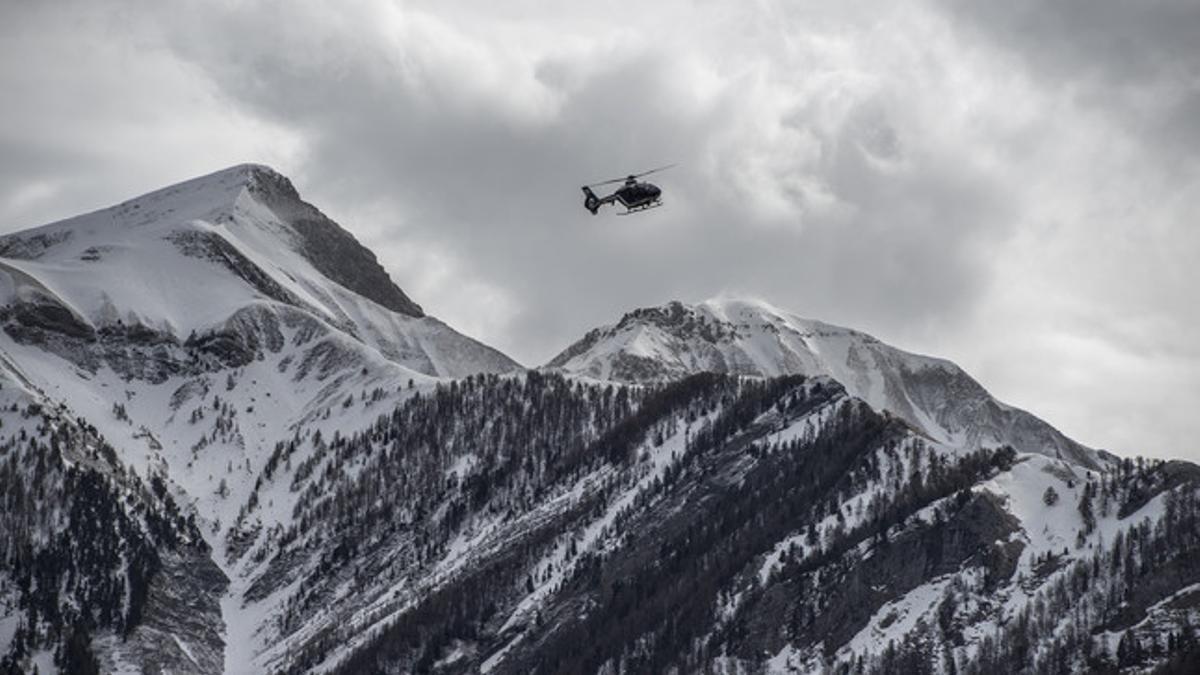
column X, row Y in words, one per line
column 330, row 249
column 181, row 630
column 746, row 337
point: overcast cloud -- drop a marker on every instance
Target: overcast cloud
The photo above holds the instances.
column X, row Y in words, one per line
column 1009, row 185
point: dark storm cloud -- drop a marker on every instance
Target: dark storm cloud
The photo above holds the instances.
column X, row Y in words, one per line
column 958, row 178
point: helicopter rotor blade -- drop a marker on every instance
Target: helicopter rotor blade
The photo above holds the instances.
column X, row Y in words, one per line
column 647, row 173
column 635, row 176
column 607, row 182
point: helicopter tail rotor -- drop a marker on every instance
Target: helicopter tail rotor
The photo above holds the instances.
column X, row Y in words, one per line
column 590, row 201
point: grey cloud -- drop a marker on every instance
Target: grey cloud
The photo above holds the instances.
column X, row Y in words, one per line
column 1137, row 61
column 97, row 108
column 1109, row 40
column 501, row 192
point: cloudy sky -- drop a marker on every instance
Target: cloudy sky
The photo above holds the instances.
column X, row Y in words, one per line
column 1011, row 185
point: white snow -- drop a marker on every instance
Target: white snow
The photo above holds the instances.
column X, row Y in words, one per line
column 901, row 616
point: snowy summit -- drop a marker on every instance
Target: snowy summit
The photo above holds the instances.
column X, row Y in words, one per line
column 752, row 338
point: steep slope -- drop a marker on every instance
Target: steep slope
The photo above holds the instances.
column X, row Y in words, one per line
column 747, row 337
column 98, row 564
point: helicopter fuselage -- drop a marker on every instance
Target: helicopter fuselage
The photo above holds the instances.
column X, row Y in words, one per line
column 638, row 195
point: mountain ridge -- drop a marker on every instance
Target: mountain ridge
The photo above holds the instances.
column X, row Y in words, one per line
column 742, row 336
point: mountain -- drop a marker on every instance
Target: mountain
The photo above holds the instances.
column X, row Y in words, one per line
column 192, row 329
column 750, row 337
column 219, row 262
column 229, row 443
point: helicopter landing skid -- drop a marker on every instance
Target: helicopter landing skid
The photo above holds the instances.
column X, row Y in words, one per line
column 647, row 207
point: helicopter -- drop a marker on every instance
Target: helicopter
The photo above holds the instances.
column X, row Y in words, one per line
column 634, row 195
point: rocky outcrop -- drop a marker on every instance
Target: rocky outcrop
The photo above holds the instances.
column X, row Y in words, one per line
column 182, row 628
column 331, row 249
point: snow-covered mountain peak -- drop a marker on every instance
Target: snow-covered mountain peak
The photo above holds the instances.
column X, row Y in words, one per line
column 726, row 318
column 210, row 256
column 207, row 197
column 744, row 336
column 735, row 309
column 757, row 314
column 251, row 206
column 220, row 189
column 753, row 338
